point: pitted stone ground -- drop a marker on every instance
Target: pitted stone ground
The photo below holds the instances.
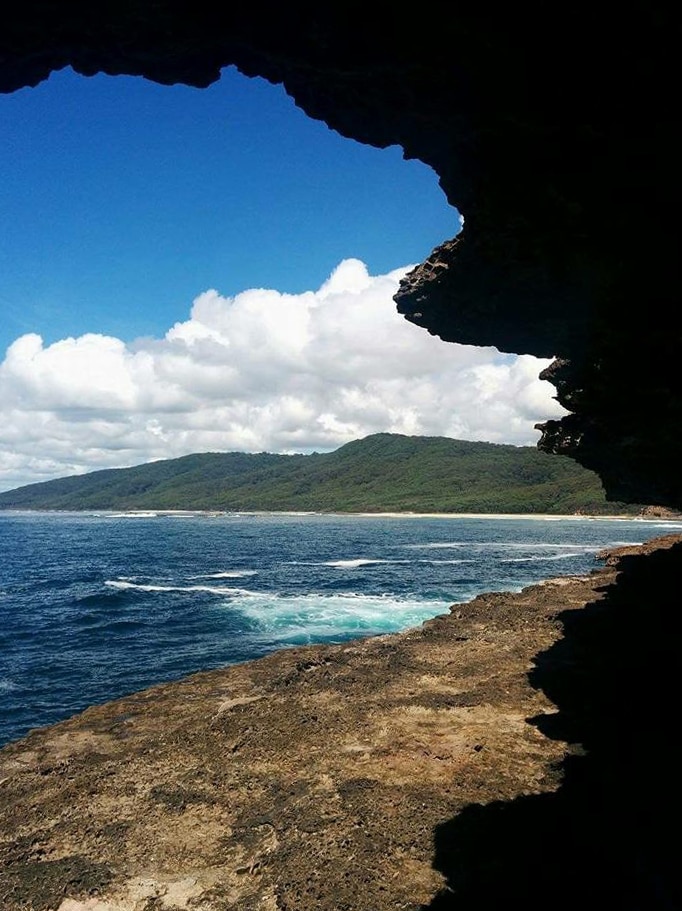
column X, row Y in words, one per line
column 312, row 779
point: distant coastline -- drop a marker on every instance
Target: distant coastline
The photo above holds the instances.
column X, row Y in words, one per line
column 383, row 474
column 407, row 514
column 214, row 513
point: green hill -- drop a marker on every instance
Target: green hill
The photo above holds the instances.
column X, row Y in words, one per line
column 381, row 473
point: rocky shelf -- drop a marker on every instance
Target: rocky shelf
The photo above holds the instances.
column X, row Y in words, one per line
column 518, row 749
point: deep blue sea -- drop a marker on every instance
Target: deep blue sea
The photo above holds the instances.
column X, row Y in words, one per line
column 95, row 606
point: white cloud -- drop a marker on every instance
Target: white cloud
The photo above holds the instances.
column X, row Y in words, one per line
column 260, row 371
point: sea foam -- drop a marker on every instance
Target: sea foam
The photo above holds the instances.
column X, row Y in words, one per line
column 229, row 574
column 354, row 564
column 313, row 617
column 212, row 589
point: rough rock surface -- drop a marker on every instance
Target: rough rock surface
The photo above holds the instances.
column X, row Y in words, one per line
column 554, row 130
column 499, row 756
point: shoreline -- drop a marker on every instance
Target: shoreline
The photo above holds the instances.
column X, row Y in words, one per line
column 345, row 593
column 341, row 776
column 210, row 513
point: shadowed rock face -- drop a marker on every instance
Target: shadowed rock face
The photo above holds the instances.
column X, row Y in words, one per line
column 552, row 132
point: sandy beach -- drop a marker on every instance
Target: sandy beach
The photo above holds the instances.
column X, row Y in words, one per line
column 544, row 517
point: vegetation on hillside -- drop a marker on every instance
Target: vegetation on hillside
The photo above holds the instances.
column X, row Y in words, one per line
column 381, row 473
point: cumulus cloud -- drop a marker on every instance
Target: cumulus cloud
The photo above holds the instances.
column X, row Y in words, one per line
column 262, row 371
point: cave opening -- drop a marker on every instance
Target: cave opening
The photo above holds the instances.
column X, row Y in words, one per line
column 126, row 201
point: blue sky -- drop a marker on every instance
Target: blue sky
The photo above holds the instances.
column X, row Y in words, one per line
column 187, row 270
column 122, row 199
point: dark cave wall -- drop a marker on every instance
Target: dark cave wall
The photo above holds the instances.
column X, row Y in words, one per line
column 553, row 130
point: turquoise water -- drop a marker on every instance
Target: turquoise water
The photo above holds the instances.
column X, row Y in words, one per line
column 96, row 606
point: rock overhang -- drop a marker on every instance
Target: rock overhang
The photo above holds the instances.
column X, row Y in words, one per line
column 553, row 132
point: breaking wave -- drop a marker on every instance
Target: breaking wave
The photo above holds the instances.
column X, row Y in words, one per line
column 123, row 585
column 313, row 617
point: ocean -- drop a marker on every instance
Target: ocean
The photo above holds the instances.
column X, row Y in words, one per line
column 96, row 606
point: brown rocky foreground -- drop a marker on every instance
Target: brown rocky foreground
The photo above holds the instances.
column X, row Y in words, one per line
column 518, row 752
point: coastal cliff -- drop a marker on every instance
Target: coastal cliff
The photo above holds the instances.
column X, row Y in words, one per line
column 517, row 749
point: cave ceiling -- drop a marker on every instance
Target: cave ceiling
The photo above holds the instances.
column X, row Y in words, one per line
column 553, row 129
